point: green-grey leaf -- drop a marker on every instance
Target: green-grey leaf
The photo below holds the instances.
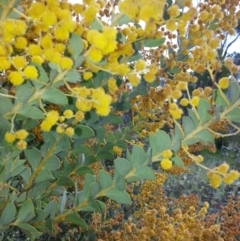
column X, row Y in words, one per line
column 76, row 45
column 8, row 214
column 74, row 218
column 234, row 115
column 84, row 131
column 33, row 156
column 188, row 125
column 205, row 136
column 31, row 112
column 105, row 179
column 123, row 166
column 54, row 96
column 203, row 108
column 177, row 161
column 153, row 42
column 26, row 212
column 118, row 196
column 73, row 76
column 43, row 176
column 52, row 164
column 5, row 105
column 138, row 156
column 63, row 201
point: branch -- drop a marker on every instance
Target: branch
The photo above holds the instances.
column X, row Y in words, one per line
column 225, row 52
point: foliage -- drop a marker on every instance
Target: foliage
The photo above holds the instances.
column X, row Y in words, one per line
column 83, row 115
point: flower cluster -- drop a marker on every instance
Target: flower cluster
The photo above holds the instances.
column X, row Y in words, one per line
column 18, row 136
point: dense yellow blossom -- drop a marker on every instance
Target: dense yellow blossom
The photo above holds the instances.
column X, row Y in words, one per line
column 184, row 102
column 52, row 117
column 46, row 125
column 83, row 105
column 19, row 62
column 68, row 114
column 16, row 78
column 66, row 63
column 195, row 101
column 31, row 72
column 10, row 137
column 4, row 63
column 69, row 131
column 140, row 65
column 79, row 116
column 224, row 83
column 20, row 43
column 112, row 85
column 21, row 134
column 95, row 55
column 21, row 145
column 87, row 75
column 134, row 79
column 166, row 164
column 167, row 154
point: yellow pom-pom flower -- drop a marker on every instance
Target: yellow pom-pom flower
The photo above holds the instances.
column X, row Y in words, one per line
column 173, row 11
column 16, row 78
column 52, row 117
column 20, row 43
column 87, row 75
column 68, row 114
column 166, row 164
column 195, row 101
column 224, row 83
column 167, row 154
column 10, row 137
column 69, row 131
column 134, row 79
column 79, row 116
column 21, row 145
column 46, row 126
column 149, row 77
column 84, row 105
column 66, row 63
column 199, row 158
column 60, row 129
column 215, row 180
column 184, row 102
column 21, row 134
column 31, row 72
column 4, row 63
column 95, row 55
column 140, row 65
column 19, row 62
column 223, row 168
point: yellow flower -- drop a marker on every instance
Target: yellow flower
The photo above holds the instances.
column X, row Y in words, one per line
column 87, row 75
column 166, row 164
column 34, row 49
column 230, row 177
column 90, row 13
column 103, row 105
column 60, row 129
column 215, row 180
column 68, row 114
column 140, row 65
column 46, row 125
column 21, row 145
column 171, row 25
column 60, row 47
column 19, row 62
column 66, row 63
column 4, row 63
column 79, row 116
column 134, row 79
column 21, row 134
column 52, row 56
column 61, row 34
column 78, row 8
column 173, row 11
column 36, row 10
column 167, row 154
column 16, row 78
column 223, row 168
column 84, row 105
column 49, row 18
column 199, row 158
column 224, row 83
column 31, row 72
column 149, row 77
column 176, row 94
column 195, row 101
column 69, row 131
column 20, row 43
column 10, row 137
column 46, row 41
column 151, row 10
column 52, row 117
column 112, row 86
column 95, row 55
column 184, row 102
column 37, row 59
